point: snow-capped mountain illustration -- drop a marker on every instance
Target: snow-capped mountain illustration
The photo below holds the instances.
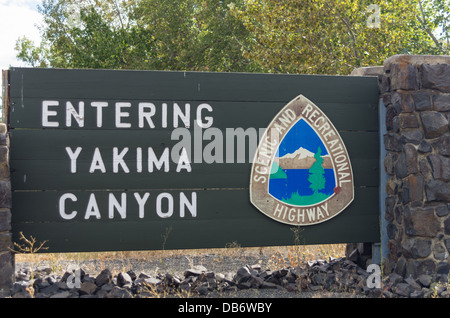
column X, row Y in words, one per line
column 301, row 159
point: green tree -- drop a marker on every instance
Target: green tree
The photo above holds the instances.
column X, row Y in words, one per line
column 29, row 53
column 222, row 37
column 197, row 35
column 434, row 18
column 333, row 37
column 288, row 36
column 316, row 173
column 90, row 34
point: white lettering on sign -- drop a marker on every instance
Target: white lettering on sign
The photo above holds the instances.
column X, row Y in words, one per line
column 121, row 114
column 196, row 140
column 62, row 206
column 146, row 111
column 163, row 205
column 125, row 114
column 119, row 164
column 99, row 113
column 209, row 119
column 46, row 113
column 77, row 115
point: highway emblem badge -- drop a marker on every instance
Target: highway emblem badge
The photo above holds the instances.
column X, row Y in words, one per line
column 301, row 173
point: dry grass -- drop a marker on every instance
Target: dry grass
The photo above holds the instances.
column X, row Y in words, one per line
column 296, row 255
column 280, row 256
column 275, row 257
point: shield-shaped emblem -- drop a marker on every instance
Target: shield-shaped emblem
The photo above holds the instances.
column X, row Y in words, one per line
column 301, row 173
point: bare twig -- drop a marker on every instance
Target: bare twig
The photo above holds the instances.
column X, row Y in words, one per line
column 30, row 246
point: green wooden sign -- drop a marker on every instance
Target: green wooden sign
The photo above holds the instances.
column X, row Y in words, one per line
column 130, row 160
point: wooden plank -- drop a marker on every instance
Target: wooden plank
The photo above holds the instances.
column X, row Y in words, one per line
column 51, row 145
column 43, row 206
column 47, row 175
column 202, row 86
column 223, row 216
column 36, row 165
column 225, row 114
column 112, row 236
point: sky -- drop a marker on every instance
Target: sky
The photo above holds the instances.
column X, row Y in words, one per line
column 17, row 18
column 301, row 135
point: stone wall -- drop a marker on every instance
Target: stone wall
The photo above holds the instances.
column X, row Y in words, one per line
column 416, row 93
column 6, row 257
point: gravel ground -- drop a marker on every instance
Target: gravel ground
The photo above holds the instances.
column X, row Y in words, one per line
column 228, row 273
column 178, row 264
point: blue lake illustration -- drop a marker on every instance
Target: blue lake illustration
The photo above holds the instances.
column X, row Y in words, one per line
column 302, row 173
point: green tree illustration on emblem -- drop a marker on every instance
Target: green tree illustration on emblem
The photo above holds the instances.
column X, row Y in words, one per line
column 316, row 173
